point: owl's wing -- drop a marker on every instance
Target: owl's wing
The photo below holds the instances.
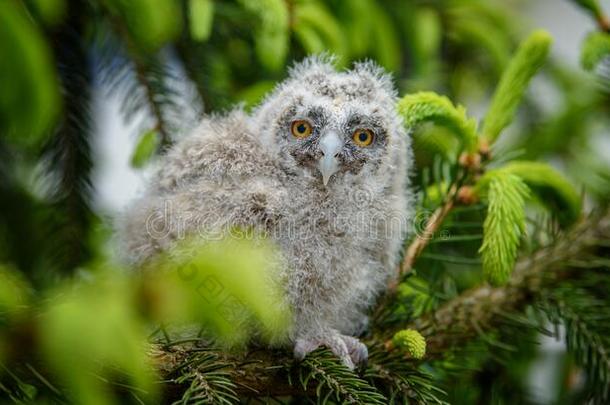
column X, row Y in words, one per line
column 221, row 149
column 217, row 178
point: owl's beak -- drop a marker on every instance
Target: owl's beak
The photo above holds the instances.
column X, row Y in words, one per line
column 330, row 145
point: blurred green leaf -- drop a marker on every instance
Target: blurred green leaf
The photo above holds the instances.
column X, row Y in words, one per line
column 358, row 22
column 431, row 141
column 309, row 38
column 231, row 286
column 504, row 224
column 147, row 146
column 416, row 291
column 151, row 23
column 317, row 18
column 254, row 94
column 428, row 106
column 29, row 95
column 428, row 36
column 14, row 290
column 51, row 11
column 528, row 59
column 201, row 17
column 484, row 31
column 272, row 35
column 387, row 48
column 595, row 48
column 91, row 331
column 430, row 32
column 480, row 33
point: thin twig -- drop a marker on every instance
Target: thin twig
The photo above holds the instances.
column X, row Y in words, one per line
column 432, row 226
column 423, row 239
column 603, row 22
column 140, row 70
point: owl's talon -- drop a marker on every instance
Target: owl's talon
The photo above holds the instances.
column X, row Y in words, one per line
column 303, row 347
column 358, row 351
column 348, row 349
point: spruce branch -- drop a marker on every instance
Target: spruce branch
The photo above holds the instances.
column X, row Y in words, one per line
column 141, row 74
column 453, row 324
column 335, row 380
column 67, row 154
column 150, row 74
column 586, row 321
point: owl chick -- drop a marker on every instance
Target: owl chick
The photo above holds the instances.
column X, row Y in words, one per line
column 321, row 167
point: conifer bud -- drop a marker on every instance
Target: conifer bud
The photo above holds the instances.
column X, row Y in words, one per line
column 411, row 342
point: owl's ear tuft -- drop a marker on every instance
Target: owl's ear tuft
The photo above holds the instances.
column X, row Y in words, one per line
column 375, row 76
column 314, row 67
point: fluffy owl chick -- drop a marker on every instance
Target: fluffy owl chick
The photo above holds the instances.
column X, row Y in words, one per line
column 320, row 167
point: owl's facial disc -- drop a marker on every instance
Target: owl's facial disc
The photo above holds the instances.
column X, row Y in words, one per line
column 330, row 146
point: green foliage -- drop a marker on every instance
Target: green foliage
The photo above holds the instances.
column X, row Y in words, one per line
column 29, row 100
column 429, row 38
column 433, row 141
column 231, row 286
column 387, row 55
column 528, row 59
column 318, row 30
column 201, row 16
column 51, row 11
column 272, row 33
column 359, row 26
column 206, row 376
column 504, row 225
column 84, row 340
column 151, row 23
column 255, row 93
column 146, row 148
column 427, row 106
column 481, row 25
column 586, row 320
column 402, row 381
column 226, row 286
column 551, row 187
column 81, row 356
column 14, row 291
column 336, row 382
column 415, row 292
column 595, row 48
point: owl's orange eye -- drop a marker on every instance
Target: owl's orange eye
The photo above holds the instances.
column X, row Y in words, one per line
column 363, row 137
column 301, row 128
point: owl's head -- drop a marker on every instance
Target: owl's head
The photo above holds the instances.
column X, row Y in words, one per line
column 331, row 125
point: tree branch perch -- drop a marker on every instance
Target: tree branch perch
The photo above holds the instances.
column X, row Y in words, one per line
column 264, row 372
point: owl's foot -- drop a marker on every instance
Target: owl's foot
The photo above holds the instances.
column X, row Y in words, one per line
column 350, row 350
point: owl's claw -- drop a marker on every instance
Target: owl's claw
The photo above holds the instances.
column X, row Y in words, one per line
column 348, row 349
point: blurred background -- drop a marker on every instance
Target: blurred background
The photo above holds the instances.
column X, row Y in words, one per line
column 118, row 181
column 93, row 91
